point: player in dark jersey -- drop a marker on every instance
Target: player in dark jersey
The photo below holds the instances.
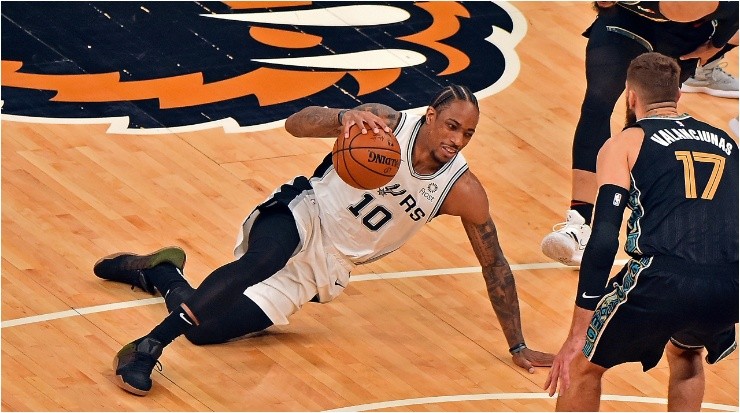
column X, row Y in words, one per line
column 621, row 32
column 679, row 290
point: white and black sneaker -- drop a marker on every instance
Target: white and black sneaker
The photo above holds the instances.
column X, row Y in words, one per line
column 567, row 240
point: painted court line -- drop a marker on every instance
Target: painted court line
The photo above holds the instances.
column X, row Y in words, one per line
column 80, row 311
column 509, row 396
column 355, row 278
column 392, row 403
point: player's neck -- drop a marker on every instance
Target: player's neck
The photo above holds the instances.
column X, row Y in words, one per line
column 660, row 109
column 422, row 160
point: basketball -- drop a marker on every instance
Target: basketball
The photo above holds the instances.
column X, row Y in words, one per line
column 366, row 161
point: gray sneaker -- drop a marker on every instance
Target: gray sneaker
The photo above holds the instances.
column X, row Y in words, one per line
column 712, row 80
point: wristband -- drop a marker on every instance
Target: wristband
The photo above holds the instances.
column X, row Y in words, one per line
column 340, row 115
column 517, row 348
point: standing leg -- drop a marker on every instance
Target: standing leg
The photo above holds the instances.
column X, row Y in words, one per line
column 686, row 382
column 607, row 57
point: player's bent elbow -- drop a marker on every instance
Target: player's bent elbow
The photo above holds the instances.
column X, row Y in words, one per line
column 292, row 125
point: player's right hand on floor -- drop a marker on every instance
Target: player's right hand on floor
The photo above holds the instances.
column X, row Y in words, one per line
column 528, row 359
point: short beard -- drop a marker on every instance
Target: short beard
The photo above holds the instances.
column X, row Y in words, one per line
column 630, row 116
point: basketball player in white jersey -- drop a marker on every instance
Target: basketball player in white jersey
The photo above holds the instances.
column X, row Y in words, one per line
column 301, row 244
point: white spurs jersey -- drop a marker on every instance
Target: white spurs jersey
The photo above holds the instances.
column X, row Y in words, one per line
column 365, row 225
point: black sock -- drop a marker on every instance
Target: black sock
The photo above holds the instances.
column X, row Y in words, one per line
column 583, row 208
column 174, row 325
column 169, row 281
column 728, row 47
column 165, row 277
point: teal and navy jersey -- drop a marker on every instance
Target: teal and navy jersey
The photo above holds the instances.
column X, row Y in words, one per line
column 684, row 192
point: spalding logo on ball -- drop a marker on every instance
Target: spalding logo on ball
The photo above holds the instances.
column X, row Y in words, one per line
column 366, row 161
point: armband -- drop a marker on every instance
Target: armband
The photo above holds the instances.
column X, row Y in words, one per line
column 340, row 115
column 517, row 348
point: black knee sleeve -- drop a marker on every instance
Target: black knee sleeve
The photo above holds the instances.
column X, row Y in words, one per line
column 243, row 318
column 592, row 131
column 608, row 56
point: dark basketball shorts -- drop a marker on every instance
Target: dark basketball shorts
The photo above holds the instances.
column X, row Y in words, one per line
column 656, row 299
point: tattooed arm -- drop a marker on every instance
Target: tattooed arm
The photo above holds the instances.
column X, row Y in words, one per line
column 499, row 279
column 468, row 200
column 317, row 121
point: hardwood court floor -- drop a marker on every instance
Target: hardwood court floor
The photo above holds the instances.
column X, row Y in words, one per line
column 73, row 193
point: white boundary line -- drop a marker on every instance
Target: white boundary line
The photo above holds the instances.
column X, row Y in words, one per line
column 80, row 311
column 393, row 403
column 509, row 396
column 355, row 278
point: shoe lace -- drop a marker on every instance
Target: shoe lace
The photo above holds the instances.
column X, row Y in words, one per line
column 557, row 227
column 143, row 284
column 145, row 363
column 720, row 68
column 567, row 225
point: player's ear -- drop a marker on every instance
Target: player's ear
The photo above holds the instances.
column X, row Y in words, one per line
column 431, row 113
column 631, row 98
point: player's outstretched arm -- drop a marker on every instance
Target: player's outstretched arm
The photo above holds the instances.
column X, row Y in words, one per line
column 469, row 201
column 502, row 293
column 323, row 122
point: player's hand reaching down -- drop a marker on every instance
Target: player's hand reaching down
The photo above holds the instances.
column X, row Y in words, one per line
column 528, row 359
column 560, row 372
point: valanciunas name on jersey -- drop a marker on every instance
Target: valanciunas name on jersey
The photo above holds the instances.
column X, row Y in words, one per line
column 666, row 137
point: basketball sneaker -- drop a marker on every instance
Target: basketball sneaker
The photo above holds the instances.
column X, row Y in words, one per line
column 712, row 80
column 126, row 267
column 134, row 364
column 567, row 240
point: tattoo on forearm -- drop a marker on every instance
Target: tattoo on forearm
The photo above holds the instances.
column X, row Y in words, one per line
column 391, row 116
column 318, row 119
column 320, row 122
column 498, row 277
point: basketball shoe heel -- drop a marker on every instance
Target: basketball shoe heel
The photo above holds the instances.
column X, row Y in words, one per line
column 568, row 239
column 126, row 267
column 134, row 364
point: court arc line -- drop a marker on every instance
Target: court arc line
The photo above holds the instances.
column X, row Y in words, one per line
column 355, row 278
column 80, row 311
column 509, row 396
